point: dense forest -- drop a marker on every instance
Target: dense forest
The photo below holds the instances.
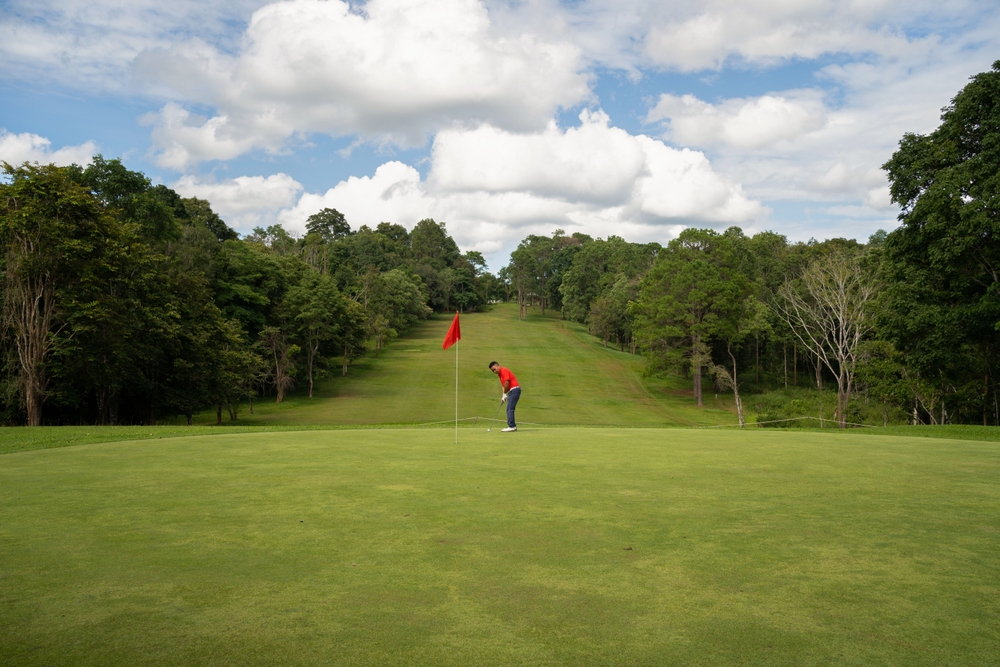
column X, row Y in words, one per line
column 126, row 303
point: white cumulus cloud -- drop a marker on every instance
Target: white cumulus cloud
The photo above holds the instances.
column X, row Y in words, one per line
column 698, row 35
column 90, row 44
column 826, row 150
column 594, row 178
column 27, row 147
column 390, row 71
column 592, row 162
column 740, row 123
column 246, row 201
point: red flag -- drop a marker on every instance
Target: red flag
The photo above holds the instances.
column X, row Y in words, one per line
column 454, row 334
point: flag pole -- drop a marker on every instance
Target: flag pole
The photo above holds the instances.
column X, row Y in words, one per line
column 454, row 335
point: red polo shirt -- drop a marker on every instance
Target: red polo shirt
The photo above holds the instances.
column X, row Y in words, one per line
column 505, row 375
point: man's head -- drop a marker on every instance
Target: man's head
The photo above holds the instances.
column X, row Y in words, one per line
column 495, row 367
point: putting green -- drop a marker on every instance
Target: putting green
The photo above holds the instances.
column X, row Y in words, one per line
column 548, row 547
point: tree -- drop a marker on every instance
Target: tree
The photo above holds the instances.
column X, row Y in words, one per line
column 393, row 302
column 751, row 319
column 249, row 283
column 880, row 372
column 829, row 310
column 351, row 336
column 274, row 343
column 323, row 229
column 522, row 275
column 941, row 308
column 318, row 311
column 199, row 212
column 51, row 233
column 596, row 266
column 610, row 314
column 131, row 198
column 693, row 291
column 329, row 223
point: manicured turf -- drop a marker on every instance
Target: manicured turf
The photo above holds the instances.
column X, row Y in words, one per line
column 544, row 547
column 568, row 377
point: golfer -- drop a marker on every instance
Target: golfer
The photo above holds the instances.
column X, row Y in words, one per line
column 511, row 392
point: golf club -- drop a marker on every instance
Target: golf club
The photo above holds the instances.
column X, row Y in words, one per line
column 494, row 417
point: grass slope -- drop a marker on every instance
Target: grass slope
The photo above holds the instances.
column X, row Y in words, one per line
column 568, row 377
column 545, row 547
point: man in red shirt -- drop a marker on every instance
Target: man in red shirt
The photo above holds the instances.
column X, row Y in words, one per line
column 511, row 392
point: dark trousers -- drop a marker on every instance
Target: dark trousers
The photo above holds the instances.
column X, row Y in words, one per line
column 512, row 397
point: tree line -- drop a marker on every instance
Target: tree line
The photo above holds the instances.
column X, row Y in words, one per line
column 905, row 326
column 125, row 303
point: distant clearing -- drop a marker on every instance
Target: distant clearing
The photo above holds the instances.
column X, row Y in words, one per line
column 567, row 375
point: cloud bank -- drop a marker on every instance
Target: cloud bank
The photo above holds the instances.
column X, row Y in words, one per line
column 593, row 178
column 395, row 73
column 26, row 147
column 244, row 202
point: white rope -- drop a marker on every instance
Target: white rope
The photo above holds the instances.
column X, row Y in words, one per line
column 772, row 421
column 791, row 419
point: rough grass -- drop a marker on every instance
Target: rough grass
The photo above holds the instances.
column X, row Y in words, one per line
column 595, row 546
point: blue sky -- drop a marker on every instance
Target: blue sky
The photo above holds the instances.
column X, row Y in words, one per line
column 501, row 119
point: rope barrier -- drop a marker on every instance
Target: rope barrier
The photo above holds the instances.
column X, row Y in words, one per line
column 790, row 419
column 750, row 424
column 465, row 419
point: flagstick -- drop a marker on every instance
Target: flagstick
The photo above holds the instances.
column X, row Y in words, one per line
column 456, row 393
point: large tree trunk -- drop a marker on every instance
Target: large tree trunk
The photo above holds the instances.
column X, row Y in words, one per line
column 696, row 373
column 842, row 398
column 30, row 309
column 696, row 364
column 736, row 390
column 313, row 349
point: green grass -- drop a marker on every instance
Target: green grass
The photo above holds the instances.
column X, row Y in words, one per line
column 567, row 376
column 310, row 533
column 570, row 546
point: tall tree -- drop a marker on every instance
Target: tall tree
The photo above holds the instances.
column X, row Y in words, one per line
column 596, row 266
column 51, row 233
column 274, row 344
column 750, row 319
column 694, row 290
column 829, row 309
column 318, row 310
column 942, row 304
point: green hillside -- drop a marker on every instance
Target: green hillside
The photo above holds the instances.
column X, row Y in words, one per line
column 567, row 376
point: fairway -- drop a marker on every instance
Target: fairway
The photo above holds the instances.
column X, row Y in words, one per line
column 568, row 377
column 570, row 546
